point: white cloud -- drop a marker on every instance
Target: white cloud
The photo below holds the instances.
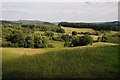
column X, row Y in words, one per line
column 60, row 0
column 65, row 11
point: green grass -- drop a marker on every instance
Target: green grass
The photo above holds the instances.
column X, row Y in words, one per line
column 57, row 44
column 89, row 62
column 39, row 32
column 69, row 30
column 114, row 40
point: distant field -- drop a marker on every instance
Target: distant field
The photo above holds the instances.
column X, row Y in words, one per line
column 69, row 30
column 114, row 40
column 42, row 32
column 89, row 62
column 39, row 32
column 94, row 37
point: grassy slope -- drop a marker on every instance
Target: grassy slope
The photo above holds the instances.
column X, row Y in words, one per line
column 80, row 62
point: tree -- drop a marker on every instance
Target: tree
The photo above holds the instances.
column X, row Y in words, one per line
column 74, row 33
column 67, row 44
column 65, row 38
column 50, row 46
column 83, row 40
column 60, row 30
column 29, row 42
column 76, row 41
column 17, row 37
column 39, row 41
column 49, row 33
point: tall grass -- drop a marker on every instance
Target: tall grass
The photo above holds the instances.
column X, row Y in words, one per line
column 94, row 62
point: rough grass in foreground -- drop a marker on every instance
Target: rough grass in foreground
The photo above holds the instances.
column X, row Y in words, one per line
column 92, row 62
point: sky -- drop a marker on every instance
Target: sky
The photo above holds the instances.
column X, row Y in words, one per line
column 61, row 11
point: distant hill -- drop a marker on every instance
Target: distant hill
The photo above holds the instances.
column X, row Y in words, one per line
column 25, row 22
column 29, row 21
column 114, row 23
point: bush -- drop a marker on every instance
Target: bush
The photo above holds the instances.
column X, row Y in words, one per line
column 39, row 41
column 14, row 45
column 67, row 44
column 57, row 38
column 6, row 44
column 60, row 30
column 49, row 33
column 76, row 41
column 29, row 42
column 17, row 37
column 51, row 46
column 74, row 33
column 66, row 38
column 83, row 40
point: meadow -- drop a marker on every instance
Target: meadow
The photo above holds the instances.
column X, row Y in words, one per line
column 87, row 62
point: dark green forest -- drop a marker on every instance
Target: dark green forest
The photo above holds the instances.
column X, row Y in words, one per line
column 115, row 26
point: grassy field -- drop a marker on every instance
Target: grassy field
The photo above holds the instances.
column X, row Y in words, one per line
column 89, row 62
column 114, row 40
column 57, row 44
column 39, row 32
column 69, row 30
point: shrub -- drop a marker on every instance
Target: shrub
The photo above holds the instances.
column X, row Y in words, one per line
column 74, row 33
column 76, row 41
column 39, row 41
column 17, row 37
column 83, row 40
column 29, row 42
column 67, row 44
column 50, row 46
column 66, row 38
column 57, row 38
column 14, row 45
column 49, row 33
column 6, row 44
column 60, row 30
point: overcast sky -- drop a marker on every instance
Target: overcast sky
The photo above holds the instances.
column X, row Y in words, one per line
column 61, row 11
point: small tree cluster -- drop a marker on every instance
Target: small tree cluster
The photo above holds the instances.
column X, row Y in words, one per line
column 83, row 40
column 74, row 33
column 49, row 33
